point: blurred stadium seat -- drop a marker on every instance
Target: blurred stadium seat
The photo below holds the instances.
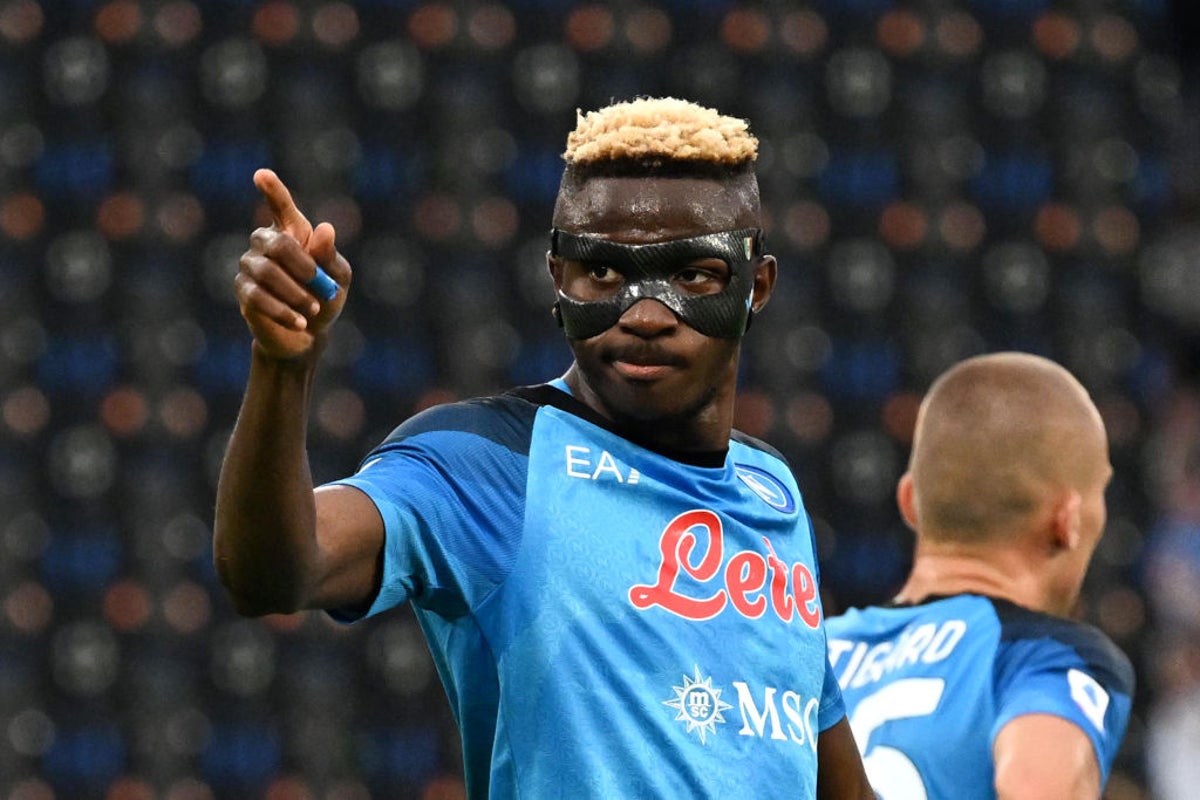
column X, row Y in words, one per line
column 941, row 179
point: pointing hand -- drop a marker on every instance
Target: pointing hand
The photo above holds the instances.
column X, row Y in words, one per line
column 290, row 268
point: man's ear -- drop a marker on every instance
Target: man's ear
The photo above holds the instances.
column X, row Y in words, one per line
column 765, row 273
column 906, row 500
column 1066, row 519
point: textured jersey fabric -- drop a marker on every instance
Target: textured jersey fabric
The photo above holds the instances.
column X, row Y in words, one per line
column 608, row 621
column 928, row 687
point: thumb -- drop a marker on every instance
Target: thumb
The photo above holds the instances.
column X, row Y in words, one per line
column 322, row 246
column 323, row 249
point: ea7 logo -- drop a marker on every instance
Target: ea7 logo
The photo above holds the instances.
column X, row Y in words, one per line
column 583, row 463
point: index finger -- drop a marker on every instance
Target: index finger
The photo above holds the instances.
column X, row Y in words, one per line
column 283, row 208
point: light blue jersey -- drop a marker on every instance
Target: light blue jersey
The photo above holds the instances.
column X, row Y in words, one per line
column 928, row 687
column 608, row 621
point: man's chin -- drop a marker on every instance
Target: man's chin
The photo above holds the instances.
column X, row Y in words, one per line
column 659, row 402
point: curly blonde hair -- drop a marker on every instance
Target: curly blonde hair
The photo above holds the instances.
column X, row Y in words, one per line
column 660, row 130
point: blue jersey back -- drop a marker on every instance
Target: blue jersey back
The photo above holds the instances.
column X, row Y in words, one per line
column 928, row 687
column 608, row 621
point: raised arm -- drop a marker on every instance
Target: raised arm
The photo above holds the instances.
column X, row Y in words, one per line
column 1044, row 756
column 278, row 545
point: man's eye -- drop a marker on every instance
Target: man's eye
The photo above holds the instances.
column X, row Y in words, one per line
column 700, row 279
column 693, row 275
column 603, row 272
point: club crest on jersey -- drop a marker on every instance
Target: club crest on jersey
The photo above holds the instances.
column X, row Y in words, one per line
column 698, row 704
column 766, row 486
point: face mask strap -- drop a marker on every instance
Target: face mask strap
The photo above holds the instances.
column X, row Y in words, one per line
column 641, row 260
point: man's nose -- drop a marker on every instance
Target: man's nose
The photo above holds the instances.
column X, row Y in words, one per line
column 648, row 317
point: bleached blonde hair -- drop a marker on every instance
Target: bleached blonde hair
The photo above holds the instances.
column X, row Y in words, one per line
column 657, row 131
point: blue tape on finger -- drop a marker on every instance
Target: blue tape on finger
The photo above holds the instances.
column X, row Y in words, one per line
column 323, row 286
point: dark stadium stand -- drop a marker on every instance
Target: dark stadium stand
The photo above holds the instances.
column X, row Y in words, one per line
column 942, row 178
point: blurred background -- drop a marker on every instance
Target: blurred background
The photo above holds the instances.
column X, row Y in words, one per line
column 941, row 178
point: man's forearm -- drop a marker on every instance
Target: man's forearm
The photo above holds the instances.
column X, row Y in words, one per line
column 264, row 534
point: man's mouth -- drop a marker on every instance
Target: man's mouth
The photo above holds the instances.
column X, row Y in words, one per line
column 641, row 372
column 644, row 366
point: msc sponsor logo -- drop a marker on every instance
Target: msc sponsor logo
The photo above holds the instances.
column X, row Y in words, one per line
column 768, row 713
column 767, row 486
column 699, row 705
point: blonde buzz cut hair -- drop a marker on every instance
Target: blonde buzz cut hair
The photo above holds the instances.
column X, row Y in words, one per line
column 658, row 133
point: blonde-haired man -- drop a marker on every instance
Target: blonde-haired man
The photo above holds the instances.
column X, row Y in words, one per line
column 619, row 591
column 972, row 683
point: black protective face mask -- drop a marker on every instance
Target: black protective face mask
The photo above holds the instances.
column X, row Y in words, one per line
column 648, row 270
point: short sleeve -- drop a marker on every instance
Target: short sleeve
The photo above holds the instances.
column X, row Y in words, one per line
column 833, row 707
column 1070, row 671
column 449, row 488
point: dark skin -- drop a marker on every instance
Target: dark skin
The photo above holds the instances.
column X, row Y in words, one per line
column 665, row 384
column 280, row 546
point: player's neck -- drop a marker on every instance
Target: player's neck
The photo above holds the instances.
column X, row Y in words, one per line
column 949, row 570
column 703, row 429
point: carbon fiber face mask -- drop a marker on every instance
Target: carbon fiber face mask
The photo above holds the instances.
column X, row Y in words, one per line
column 648, row 270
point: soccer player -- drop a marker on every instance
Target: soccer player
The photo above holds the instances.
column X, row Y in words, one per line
column 619, row 591
column 973, row 682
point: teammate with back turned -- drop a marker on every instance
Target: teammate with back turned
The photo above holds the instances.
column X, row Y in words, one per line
column 973, row 682
column 619, row 591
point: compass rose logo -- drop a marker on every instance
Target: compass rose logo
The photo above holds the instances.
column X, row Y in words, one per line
column 698, row 704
